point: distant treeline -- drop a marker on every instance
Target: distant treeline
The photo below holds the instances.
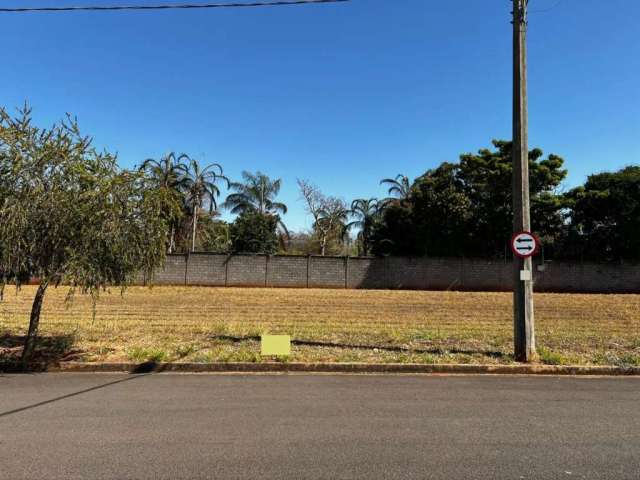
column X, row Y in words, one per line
column 464, row 209
column 456, row 209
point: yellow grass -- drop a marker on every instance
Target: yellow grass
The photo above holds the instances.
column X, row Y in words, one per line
column 185, row 324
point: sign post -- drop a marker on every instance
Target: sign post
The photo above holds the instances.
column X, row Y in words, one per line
column 523, row 320
column 524, row 246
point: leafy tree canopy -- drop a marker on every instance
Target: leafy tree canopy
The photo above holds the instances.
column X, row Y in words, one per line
column 486, row 180
column 257, row 193
column 69, row 214
column 255, row 232
column 466, row 208
column 605, row 216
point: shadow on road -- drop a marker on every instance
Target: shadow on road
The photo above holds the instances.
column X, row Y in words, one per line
column 70, row 395
column 141, row 370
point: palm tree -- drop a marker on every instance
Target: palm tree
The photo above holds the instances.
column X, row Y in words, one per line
column 257, row 193
column 201, row 190
column 365, row 213
column 331, row 222
column 165, row 174
column 399, row 189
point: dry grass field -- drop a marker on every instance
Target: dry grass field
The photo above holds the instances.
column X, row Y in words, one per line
column 196, row 324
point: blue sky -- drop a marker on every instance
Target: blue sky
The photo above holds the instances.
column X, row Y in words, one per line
column 340, row 94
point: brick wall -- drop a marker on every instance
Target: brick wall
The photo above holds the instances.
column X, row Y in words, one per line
column 206, row 270
column 327, row 272
column 366, row 273
column 283, row 271
column 390, row 272
column 174, row 272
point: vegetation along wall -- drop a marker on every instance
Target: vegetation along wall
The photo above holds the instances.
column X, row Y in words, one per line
column 419, row 273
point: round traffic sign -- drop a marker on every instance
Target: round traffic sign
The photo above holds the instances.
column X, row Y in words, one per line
column 525, row 244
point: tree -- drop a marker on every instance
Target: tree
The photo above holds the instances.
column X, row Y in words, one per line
column 431, row 221
column 303, row 243
column 254, row 232
column 465, row 208
column 395, row 233
column 331, row 225
column 165, row 175
column 365, row 214
column 213, row 235
column 329, row 214
column 257, row 193
column 486, row 179
column 605, row 216
column 70, row 215
column 399, row 189
column 201, row 190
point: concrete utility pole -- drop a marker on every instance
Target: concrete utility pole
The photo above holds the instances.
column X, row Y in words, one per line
column 523, row 320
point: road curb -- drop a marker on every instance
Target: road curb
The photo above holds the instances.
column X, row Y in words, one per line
column 360, row 368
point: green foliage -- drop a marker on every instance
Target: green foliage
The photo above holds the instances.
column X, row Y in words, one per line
column 487, row 182
column 366, row 215
column 188, row 191
column 466, row 208
column 201, row 190
column 69, row 214
column 433, row 219
column 605, row 216
column 183, row 351
column 213, row 235
column 257, row 193
column 396, row 233
column 303, row 244
column 147, row 354
column 330, row 216
column 330, row 232
column 399, row 189
column 255, row 232
column 549, row 357
column 164, row 176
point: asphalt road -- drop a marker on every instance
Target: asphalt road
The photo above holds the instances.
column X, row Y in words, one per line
column 69, row 426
